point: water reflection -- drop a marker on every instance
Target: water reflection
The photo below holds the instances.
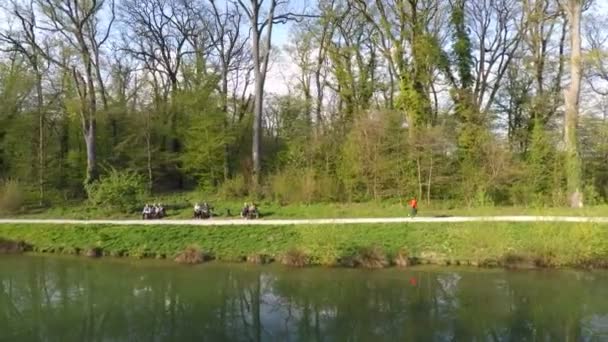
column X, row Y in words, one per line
column 61, row 299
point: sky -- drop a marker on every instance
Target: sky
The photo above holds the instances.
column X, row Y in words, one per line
column 282, row 69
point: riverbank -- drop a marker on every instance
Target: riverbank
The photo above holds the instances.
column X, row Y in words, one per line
column 539, row 244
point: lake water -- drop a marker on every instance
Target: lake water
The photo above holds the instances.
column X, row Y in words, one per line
column 46, row 298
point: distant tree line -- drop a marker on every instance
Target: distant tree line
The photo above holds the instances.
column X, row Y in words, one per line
column 482, row 102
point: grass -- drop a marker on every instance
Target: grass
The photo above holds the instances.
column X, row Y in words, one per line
column 484, row 244
column 179, row 206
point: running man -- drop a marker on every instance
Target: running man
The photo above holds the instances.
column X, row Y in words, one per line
column 413, row 204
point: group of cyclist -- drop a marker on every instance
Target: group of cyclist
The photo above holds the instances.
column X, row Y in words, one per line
column 153, row 211
column 200, row 211
column 249, row 210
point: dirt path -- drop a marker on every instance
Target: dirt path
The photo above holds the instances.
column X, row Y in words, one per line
column 336, row 221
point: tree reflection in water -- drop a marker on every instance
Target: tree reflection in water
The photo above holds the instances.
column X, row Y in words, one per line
column 66, row 299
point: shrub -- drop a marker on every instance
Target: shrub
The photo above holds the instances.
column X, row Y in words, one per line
column 591, row 195
column 11, row 196
column 9, row 246
column 517, row 261
column 123, row 190
column 402, row 259
column 300, row 186
column 94, row 252
column 233, row 188
column 191, row 255
column 366, row 257
column 259, row 259
column 295, row 258
column 371, row 257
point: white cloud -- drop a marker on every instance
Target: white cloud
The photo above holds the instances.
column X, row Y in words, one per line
column 282, row 73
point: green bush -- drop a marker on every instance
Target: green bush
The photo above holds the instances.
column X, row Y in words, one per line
column 123, row 190
column 11, row 196
column 300, row 186
column 234, row 188
column 590, row 194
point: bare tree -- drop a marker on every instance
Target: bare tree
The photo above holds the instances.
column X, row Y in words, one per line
column 77, row 26
column 410, row 48
column 544, row 29
column 261, row 23
column 261, row 20
column 161, row 35
column 496, row 38
column 323, row 37
column 229, row 44
column 597, row 38
column 312, row 41
column 157, row 35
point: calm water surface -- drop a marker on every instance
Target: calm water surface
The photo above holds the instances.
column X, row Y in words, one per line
column 70, row 299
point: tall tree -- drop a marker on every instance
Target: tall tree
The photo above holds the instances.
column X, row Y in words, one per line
column 24, row 41
column 229, row 44
column 261, row 20
column 79, row 26
column 573, row 10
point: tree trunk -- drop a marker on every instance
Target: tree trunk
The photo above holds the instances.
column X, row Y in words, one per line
column 261, row 55
column 89, row 139
column 419, row 170
column 258, row 92
column 149, row 152
column 429, row 181
column 319, row 101
column 225, row 114
column 571, row 97
column 41, row 137
column 90, row 129
column 257, row 119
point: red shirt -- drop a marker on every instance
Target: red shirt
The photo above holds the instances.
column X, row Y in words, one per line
column 414, row 204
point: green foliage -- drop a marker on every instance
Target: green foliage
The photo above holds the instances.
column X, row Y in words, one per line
column 12, row 196
column 232, row 188
column 301, row 186
column 380, row 133
column 539, row 161
column 121, row 190
column 591, row 195
column 556, row 244
column 371, row 156
column 205, row 138
column 462, row 44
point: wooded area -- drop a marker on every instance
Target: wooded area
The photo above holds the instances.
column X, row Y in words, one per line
column 476, row 101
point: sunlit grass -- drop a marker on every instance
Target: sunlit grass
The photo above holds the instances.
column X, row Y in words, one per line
column 179, row 206
column 543, row 244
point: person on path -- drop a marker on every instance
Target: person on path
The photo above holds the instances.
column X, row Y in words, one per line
column 206, row 210
column 245, row 210
column 145, row 214
column 161, row 211
column 413, row 204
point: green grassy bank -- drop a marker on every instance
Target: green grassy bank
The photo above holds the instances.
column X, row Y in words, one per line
column 491, row 244
column 179, row 206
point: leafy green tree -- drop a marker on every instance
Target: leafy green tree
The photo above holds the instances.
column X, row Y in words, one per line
column 539, row 162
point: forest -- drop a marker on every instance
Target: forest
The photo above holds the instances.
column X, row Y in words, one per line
column 479, row 102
